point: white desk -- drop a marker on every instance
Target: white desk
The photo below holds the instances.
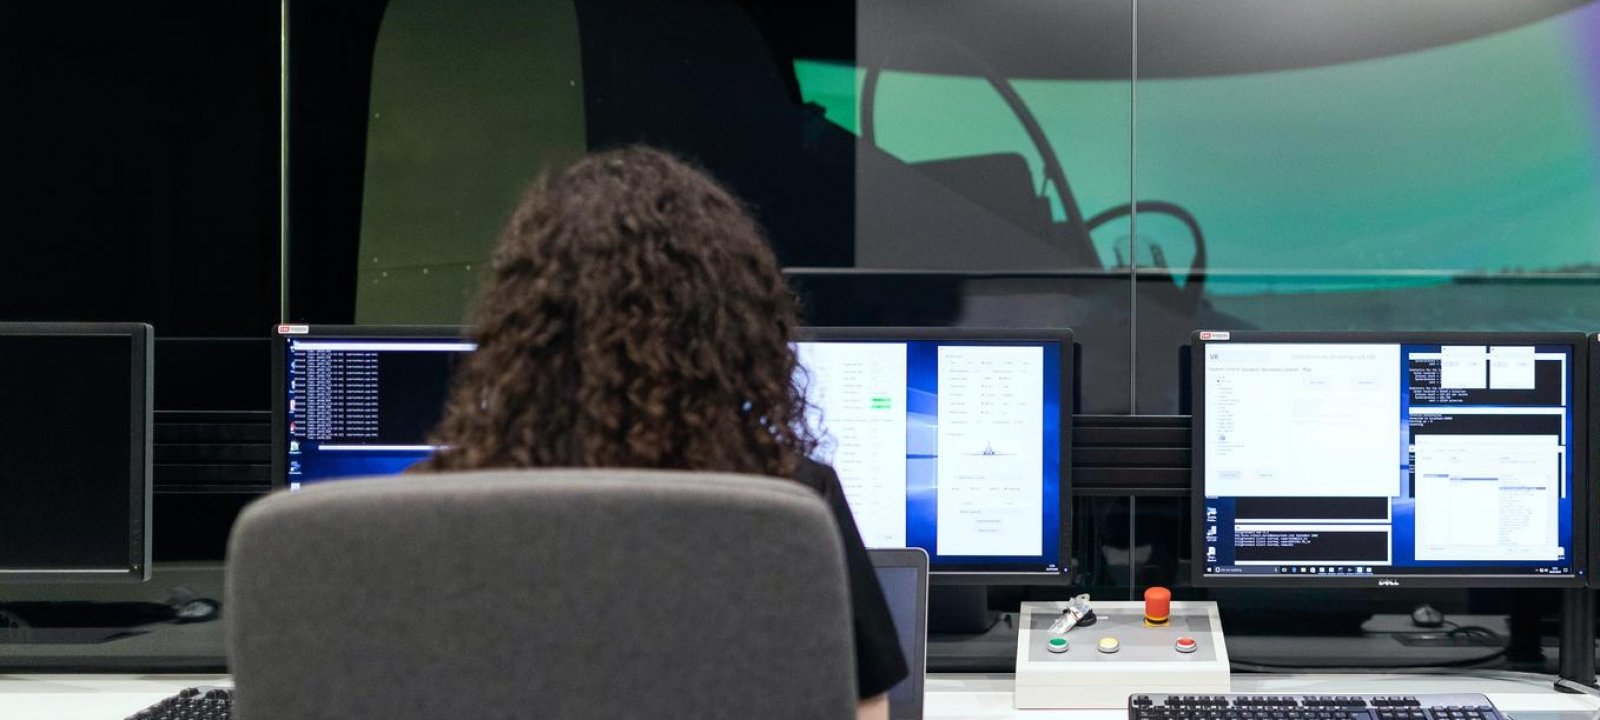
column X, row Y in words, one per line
column 89, row 697
column 969, row 697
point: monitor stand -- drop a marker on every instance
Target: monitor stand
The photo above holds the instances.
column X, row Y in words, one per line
column 960, row 610
column 964, row 635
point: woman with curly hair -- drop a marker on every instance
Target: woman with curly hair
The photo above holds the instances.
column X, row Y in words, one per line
column 637, row 318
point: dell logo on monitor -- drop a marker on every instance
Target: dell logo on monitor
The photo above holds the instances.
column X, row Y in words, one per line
column 1388, row 583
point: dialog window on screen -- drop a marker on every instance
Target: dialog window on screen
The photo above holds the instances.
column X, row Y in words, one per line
column 1353, row 459
column 951, row 447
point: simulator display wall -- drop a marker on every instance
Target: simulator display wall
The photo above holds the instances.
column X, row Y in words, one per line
column 1303, row 165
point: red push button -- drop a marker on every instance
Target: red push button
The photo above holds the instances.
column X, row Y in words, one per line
column 1186, row 645
column 1157, row 606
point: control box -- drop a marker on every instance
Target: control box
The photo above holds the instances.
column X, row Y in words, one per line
column 1121, row 654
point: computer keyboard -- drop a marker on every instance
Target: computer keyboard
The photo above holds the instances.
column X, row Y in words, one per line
column 196, row 703
column 1451, row 706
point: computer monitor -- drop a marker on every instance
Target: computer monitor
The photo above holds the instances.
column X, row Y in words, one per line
column 357, row 401
column 360, row 401
column 955, row 441
column 75, row 414
column 1389, row 459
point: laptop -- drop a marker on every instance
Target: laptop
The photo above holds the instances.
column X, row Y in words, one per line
column 903, row 575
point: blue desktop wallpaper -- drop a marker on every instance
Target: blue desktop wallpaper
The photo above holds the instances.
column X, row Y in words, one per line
column 1402, row 509
column 922, row 453
column 319, row 466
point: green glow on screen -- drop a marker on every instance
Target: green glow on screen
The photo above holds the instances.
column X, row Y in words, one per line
column 1473, row 156
column 930, row 117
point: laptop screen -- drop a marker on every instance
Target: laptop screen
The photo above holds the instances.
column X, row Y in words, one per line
column 905, row 586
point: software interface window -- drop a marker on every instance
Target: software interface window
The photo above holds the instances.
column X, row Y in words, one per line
column 363, row 406
column 951, row 447
column 1361, row 459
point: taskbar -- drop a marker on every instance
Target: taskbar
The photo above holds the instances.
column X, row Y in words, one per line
column 1384, row 570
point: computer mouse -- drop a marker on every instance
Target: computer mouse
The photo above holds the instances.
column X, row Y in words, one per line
column 197, row 610
column 1427, row 616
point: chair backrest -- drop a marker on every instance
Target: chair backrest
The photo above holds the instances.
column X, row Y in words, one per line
column 540, row 594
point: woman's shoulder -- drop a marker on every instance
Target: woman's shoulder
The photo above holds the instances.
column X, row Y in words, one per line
column 817, row 476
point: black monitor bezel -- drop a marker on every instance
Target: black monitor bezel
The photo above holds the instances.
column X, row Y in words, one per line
column 937, row 575
column 141, row 417
column 282, row 334
column 1580, row 449
column 1592, row 436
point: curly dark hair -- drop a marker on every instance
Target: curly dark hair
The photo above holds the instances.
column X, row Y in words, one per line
column 635, row 318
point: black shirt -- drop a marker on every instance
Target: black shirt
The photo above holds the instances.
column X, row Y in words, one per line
column 879, row 662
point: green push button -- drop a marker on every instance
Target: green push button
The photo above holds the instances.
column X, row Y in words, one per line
column 1056, row 645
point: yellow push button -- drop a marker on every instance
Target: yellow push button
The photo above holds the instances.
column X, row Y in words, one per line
column 1109, row 645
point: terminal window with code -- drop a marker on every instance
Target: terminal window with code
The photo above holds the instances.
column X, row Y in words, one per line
column 363, row 406
column 1352, row 459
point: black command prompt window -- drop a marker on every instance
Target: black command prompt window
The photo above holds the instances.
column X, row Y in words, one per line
column 1308, row 545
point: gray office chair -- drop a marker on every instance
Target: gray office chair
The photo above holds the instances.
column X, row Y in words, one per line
column 540, row 594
